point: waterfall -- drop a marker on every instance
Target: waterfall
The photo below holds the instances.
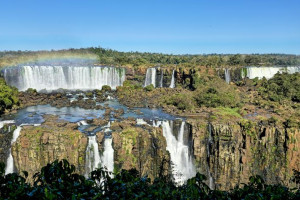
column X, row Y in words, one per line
column 182, row 164
column 107, row 158
column 92, row 155
column 161, row 79
column 210, row 141
column 150, row 77
column 93, row 158
column 156, row 123
column 267, row 72
column 172, row 85
column 66, row 77
column 2, row 123
column 10, row 160
column 227, row 76
column 141, row 122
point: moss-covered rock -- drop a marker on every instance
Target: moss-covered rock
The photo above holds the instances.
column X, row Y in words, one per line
column 40, row 145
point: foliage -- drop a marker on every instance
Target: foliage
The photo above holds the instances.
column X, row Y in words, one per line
column 182, row 101
column 149, row 87
column 215, row 93
column 106, row 88
column 280, row 87
column 58, row 180
column 8, row 96
column 112, row 57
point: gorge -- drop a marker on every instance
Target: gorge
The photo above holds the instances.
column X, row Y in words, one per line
column 116, row 136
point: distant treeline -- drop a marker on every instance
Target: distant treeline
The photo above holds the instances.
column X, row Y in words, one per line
column 112, row 57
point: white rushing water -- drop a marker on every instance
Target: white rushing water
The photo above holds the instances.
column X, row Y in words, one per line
column 93, row 158
column 172, row 85
column 161, row 79
column 92, row 155
column 107, row 158
column 227, row 76
column 2, row 123
column 150, row 77
column 10, row 160
column 268, row 72
column 182, row 164
column 55, row 77
column 140, row 121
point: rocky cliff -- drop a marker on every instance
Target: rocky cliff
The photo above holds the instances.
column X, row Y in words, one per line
column 6, row 133
column 229, row 153
column 143, row 148
column 39, row 145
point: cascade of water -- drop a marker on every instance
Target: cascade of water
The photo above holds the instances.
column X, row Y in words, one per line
column 156, row 123
column 83, row 122
column 10, row 160
column 161, row 79
column 150, row 77
column 211, row 182
column 107, row 158
column 172, row 85
column 268, row 72
column 182, row 164
column 2, row 123
column 227, row 76
column 92, row 155
column 71, row 77
column 140, row 121
column 210, row 141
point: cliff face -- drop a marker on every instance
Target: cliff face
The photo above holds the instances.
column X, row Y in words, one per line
column 230, row 153
column 37, row 146
column 143, row 148
column 227, row 153
column 6, row 133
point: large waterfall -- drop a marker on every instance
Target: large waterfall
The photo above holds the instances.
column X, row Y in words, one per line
column 150, row 77
column 267, row 72
column 10, row 160
column 182, row 164
column 172, row 85
column 66, row 77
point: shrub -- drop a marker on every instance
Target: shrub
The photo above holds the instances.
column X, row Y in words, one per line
column 149, row 87
column 106, row 88
column 8, row 96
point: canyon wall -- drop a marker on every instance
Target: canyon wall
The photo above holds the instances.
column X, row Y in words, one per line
column 228, row 154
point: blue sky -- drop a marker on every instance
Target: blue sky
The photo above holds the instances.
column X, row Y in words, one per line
column 167, row 26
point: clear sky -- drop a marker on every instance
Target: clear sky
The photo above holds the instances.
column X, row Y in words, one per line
column 167, row 26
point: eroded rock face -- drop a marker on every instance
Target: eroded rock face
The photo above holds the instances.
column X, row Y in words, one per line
column 143, row 148
column 228, row 154
column 39, row 145
column 5, row 140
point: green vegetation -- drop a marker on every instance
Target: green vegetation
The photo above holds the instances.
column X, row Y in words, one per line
column 209, row 92
column 149, row 87
column 112, row 57
column 106, row 88
column 58, row 180
column 8, row 96
column 281, row 87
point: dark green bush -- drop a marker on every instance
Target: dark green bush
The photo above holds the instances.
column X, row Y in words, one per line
column 181, row 101
column 8, row 96
column 106, row 88
column 149, row 88
column 58, row 180
column 281, row 87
